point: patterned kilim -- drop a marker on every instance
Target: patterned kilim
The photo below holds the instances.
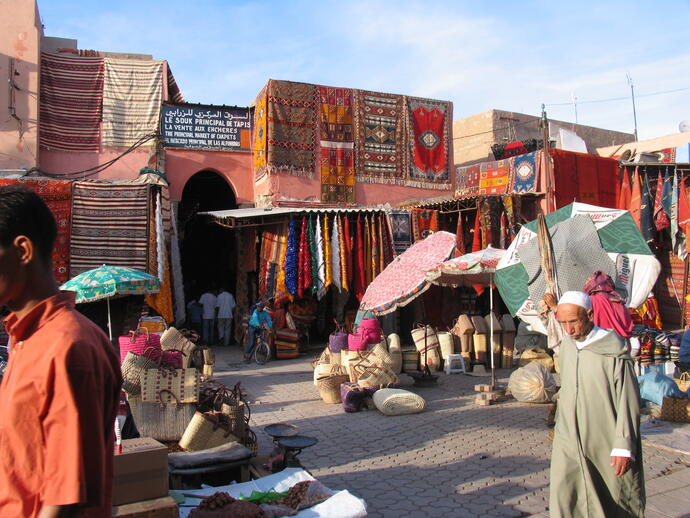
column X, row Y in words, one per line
column 110, row 225
column 401, row 228
column 259, row 137
column 132, row 95
column 174, row 93
column 430, row 136
column 467, row 181
column 337, row 166
column 380, row 142
column 424, row 223
column 70, row 102
column 525, row 169
column 57, row 194
column 494, row 177
column 292, row 125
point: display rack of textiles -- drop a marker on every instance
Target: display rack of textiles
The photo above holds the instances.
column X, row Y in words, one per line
column 654, row 349
column 343, row 136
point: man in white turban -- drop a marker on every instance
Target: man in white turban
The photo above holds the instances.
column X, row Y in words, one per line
column 596, row 465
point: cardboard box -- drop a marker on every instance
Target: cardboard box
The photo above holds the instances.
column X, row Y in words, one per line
column 140, row 471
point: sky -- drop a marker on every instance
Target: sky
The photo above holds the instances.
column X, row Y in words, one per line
column 481, row 55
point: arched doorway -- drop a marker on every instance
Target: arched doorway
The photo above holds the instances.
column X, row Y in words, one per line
column 207, row 250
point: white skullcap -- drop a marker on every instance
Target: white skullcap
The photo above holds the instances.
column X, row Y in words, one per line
column 579, row 298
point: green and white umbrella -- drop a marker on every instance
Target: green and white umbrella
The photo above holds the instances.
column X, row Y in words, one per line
column 106, row 282
column 585, row 238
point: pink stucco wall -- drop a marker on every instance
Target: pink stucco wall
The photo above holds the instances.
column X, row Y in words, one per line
column 291, row 188
column 20, row 40
column 234, row 167
column 127, row 167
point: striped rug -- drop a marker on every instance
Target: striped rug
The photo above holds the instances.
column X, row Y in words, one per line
column 110, row 225
column 71, row 95
column 132, row 96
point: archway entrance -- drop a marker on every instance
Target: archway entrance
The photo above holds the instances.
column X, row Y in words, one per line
column 207, row 250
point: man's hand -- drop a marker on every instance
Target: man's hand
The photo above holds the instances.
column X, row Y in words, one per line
column 549, row 300
column 620, row 465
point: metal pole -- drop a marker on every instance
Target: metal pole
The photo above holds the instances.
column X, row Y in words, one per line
column 491, row 331
column 547, row 159
column 632, row 93
column 110, row 324
column 575, row 106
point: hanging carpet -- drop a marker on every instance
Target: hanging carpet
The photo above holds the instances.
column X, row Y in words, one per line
column 430, row 134
column 337, row 168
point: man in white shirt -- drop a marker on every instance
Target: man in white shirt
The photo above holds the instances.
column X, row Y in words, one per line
column 208, row 302
column 596, row 464
column 225, row 304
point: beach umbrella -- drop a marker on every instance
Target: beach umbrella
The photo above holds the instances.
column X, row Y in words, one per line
column 404, row 278
column 584, row 238
column 467, row 270
column 106, row 282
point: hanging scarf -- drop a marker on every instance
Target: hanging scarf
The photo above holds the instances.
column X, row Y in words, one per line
column 477, row 232
column 388, row 251
column 673, row 216
column 635, row 208
column 624, row 194
column 374, row 248
column 505, row 232
column 291, row 259
column 320, row 265
column 602, row 283
column 358, row 268
column 160, row 239
column 661, row 220
column 304, row 261
column 485, row 222
column 459, row 237
column 646, row 216
column 327, row 253
column 335, row 254
column 367, row 251
column 281, row 289
column 342, row 247
column 348, row 251
column 313, row 255
column 382, row 243
column 683, row 212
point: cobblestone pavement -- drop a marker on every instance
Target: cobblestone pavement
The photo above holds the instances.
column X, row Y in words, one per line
column 455, row 459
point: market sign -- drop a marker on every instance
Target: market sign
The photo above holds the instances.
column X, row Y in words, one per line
column 208, row 127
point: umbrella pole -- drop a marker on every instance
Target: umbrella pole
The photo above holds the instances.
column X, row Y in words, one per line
column 491, row 330
column 110, row 325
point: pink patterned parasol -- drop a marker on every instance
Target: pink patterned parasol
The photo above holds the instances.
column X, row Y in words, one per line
column 405, row 278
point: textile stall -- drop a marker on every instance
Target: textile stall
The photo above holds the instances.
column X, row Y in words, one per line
column 344, row 136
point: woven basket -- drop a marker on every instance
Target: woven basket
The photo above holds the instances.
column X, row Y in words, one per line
column 676, row 409
column 207, row 431
column 395, row 353
column 161, row 422
column 410, row 360
column 132, row 369
column 398, row 402
column 446, row 343
column 683, row 382
column 420, row 342
column 329, row 388
column 238, row 421
column 174, row 340
column 375, row 376
column 378, row 355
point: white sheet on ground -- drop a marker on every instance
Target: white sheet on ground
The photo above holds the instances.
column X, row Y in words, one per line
column 342, row 504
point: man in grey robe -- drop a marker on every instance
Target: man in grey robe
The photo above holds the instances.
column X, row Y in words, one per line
column 596, row 464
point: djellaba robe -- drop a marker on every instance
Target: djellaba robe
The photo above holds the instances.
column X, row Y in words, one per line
column 598, row 411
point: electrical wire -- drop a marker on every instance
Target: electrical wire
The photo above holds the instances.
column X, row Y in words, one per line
column 93, row 171
column 613, row 99
column 536, row 121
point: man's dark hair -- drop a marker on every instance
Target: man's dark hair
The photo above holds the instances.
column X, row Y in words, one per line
column 24, row 213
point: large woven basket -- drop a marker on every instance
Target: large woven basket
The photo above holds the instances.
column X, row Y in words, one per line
column 329, row 388
column 398, row 402
column 676, row 409
column 370, row 376
column 420, row 341
column 395, row 353
column 207, row 431
column 446, row 343
column 132, row 369
column 161, row 422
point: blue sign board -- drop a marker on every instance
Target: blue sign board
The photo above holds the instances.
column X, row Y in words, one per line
column 209, row 127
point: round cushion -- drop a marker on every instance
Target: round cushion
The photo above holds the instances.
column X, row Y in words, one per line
column 398, row 402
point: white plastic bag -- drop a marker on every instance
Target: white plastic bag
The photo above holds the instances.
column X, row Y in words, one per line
column 532, row 383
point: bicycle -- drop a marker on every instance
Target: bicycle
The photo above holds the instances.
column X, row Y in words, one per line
column 262, row 351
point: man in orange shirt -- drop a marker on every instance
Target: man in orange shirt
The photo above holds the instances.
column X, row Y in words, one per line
column 60, row 392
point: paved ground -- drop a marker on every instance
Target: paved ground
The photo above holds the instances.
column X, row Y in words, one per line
column 454, row 460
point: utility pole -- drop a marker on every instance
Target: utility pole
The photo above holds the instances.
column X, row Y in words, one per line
column 547, row 158
column 575, row 106
column 632, row 93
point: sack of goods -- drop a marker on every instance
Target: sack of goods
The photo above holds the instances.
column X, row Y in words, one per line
column 536, row 355
column 398, row 402
column 532, row 384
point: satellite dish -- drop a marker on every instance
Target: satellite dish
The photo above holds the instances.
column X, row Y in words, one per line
column 684, row 126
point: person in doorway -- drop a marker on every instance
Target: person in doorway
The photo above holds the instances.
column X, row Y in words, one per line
column 208, row 303
column 596, row 464
column 195, row 313
column 225, row 303
column 259, row 319
column 60, row 393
